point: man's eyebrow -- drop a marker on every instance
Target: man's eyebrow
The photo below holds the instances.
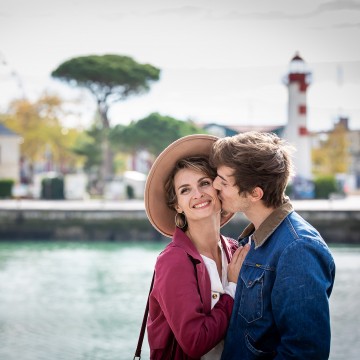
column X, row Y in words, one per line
column 221, row 177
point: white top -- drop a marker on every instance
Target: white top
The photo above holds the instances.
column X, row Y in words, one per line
column 218, row 287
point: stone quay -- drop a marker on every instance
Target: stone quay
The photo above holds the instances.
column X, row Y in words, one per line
column 338, row 220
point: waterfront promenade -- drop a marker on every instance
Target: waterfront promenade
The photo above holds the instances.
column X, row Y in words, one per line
column 350, row 203
column 338, row 220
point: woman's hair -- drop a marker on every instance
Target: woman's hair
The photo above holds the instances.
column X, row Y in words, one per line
column 197, row 163
column 258, row 160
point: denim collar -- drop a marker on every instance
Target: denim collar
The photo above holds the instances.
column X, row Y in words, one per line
column 268, row 226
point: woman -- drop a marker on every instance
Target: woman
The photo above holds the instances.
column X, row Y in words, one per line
column 196, row 275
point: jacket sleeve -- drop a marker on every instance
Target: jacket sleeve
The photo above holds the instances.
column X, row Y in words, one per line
column 176, row 290
column 304, row 281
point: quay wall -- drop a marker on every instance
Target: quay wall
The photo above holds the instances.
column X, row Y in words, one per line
column 336, row 226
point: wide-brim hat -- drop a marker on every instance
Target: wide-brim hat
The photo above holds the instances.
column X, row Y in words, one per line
column 159, row 214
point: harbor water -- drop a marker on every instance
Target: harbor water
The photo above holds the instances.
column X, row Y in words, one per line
column 85, row 301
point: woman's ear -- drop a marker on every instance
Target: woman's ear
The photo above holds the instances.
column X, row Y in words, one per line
column 257, row 194
column 178, row 209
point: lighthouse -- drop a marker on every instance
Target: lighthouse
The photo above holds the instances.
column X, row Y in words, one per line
column 296, row 132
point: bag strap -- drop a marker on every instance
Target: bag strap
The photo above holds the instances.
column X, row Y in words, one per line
column 143, row 325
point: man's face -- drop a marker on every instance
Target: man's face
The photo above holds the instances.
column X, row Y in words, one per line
column 229, row 195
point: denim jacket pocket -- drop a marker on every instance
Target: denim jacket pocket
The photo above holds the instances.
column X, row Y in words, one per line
column 258, row 353
column 251, row 301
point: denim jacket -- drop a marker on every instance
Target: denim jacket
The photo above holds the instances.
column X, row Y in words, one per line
column 281, row 306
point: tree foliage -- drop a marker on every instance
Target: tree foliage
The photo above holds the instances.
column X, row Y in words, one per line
column 110, row 78
column 332, row 156
column 152, row 133
column 38, row 123
column 88, row 145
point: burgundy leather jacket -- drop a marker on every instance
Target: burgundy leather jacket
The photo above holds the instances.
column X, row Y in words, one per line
column 180, row 303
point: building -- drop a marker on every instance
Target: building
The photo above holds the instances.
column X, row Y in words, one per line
column 354, row 152
column 230, row 130
column 9, row 154
column 296, row 130
column 339, row 150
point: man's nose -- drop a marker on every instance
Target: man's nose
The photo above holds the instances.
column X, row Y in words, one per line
column 216, row 183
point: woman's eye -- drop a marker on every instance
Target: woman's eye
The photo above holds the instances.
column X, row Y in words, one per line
column 184, row 190
column 205, row 183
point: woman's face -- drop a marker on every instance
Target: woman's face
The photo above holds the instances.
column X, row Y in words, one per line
column 196, row 196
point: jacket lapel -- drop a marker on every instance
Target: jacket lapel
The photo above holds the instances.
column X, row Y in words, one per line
column 203, row 279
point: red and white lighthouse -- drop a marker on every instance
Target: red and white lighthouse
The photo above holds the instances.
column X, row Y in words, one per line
column 296, row 132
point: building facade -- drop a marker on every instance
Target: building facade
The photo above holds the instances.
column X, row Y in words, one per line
column 9, row 154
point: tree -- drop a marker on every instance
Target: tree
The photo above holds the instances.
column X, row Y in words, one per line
column 88, row 146
column 332, row 156
column 152, row 133
column 45, row 141
column 110, row 78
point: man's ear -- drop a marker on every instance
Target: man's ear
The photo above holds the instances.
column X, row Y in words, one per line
column 257, row 194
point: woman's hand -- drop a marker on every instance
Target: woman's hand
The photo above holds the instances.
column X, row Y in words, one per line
column 236, row 263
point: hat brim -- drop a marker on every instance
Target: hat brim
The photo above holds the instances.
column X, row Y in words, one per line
column 159, row 214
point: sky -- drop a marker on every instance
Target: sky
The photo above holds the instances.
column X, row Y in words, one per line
column 221, row 61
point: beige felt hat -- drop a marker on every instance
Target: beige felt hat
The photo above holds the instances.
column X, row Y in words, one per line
column 159, row 214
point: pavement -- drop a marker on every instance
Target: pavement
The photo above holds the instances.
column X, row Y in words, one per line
column 349, row 203
column 73, row 205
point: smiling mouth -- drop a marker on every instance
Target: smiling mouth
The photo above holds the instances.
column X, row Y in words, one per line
column 201, row 205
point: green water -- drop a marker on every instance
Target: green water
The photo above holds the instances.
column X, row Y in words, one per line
column 85, row 301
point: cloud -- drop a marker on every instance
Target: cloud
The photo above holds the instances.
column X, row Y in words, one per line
column 212, row 14
column 338, row 5
column 181, row 11
column 335, row 5
column 184, row 11
column 347, row 26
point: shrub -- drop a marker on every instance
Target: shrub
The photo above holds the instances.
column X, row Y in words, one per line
column 324, row 186
column 52, row 188
column 6, row 188
column 130, row 192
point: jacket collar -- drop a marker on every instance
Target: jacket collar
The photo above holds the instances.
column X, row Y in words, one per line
column 182, row 240
column 268, row 226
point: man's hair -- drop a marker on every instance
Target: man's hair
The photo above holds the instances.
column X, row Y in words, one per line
column 259, row 160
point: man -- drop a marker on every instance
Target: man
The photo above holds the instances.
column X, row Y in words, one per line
column 281, row 307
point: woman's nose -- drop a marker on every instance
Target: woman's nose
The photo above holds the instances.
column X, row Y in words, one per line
column 198, row 193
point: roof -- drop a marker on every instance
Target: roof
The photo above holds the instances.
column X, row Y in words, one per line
column 260, row 128
column 297, row 57
column 5, row 131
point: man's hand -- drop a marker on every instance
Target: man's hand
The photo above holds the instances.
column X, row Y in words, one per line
column 236, row 263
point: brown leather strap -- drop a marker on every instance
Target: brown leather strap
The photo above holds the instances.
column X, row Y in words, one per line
column 143, row 326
